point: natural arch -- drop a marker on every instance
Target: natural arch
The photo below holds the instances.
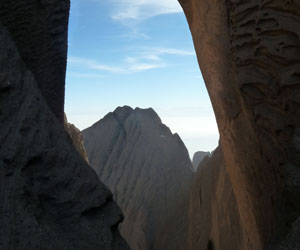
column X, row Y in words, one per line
column 249, row 56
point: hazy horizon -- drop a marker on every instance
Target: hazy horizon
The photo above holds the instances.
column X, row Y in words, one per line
column 141, row 55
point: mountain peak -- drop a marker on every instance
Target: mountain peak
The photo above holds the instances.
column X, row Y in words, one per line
column 121, row 113
column 149, row 171
column 198, row 157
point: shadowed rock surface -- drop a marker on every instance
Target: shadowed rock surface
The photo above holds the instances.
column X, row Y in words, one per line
column 249, row 54
column 214, row 221
column 76, row 137
column 198, row 157
column 149, row 171
column 49, row 197
column 39, row 29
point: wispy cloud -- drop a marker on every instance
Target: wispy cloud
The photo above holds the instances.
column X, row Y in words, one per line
column 149, row 58
column 140, row 59
column 157, row 52
column 92, row 64
column 135, row 33
column 133, row 65
column 143, row 9
column 84, row 75
column 145, row 66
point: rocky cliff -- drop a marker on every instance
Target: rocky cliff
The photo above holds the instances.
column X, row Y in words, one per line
column 149, row 171
column 49, row 197
column 248, row 52
column 39, row 28
column 214, row 221
column 198, row 157
column 76, row 137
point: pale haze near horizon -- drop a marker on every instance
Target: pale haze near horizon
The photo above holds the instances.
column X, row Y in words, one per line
column 140, row 54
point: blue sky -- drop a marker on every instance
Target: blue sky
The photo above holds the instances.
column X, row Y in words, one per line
column 137, row 53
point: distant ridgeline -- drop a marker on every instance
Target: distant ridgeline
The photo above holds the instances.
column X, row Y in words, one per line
column 198, row 157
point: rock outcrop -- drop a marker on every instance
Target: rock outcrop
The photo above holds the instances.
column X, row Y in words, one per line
column 149, row 171
column 214, row 221
column 76, row 137
column 198, row 157
column 49, row 197
column 39, row 29
column 248, row 53
column 249, row 56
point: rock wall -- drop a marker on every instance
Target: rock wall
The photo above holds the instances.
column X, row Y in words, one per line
column 76, row 137
column 39, row 29
column 149, row 172
column 214, row 221
column 248, row 52
column 49, row 197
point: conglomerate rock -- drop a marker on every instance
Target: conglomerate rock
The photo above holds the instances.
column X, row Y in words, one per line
column 249, row 54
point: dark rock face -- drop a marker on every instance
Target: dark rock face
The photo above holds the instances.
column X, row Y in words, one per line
column 214, row 221
column 39, row 29
column 149, row 172
column 198, row 157
column 248, row 52
column 49, row 197
column 76, row 137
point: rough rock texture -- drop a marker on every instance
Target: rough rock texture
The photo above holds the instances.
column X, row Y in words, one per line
column 149, row 171
column 39, row 29
column 214, row 221
column 49, row 197
column 198, row 157
column 249, row 55
column 76, row 137
column 248, row 52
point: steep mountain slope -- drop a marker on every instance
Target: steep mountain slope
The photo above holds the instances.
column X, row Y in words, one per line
column 198, row 157
column 149, row 171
